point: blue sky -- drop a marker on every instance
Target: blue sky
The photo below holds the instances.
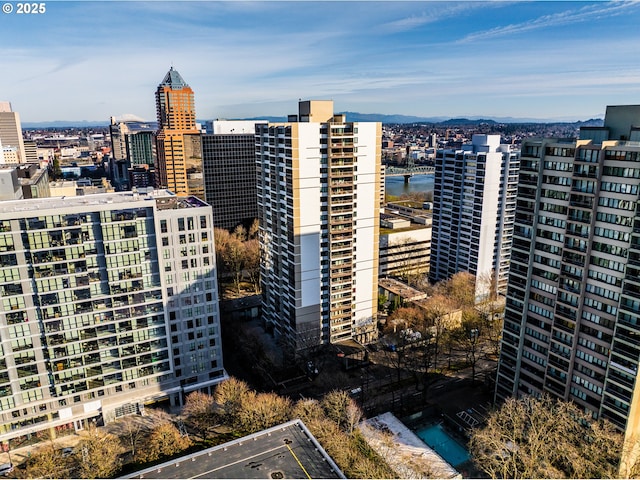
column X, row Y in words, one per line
column 90, row 60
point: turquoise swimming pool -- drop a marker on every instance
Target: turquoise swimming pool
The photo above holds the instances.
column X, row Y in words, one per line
column 446, row 446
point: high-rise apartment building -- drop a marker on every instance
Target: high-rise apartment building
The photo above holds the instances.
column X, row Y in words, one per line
column 572, row 319
column 473, row 213
column 229, row 163
column 133, row 154
column 11, row 131
column 179, row 149
column 108, row 302
column 319, row 203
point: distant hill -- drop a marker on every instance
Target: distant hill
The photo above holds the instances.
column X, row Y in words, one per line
column 66, row 124
column 352, row 117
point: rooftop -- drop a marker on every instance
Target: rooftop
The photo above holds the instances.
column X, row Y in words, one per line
column 173, row 79
column 288, row 450
column 409, row 456
column 164, row 198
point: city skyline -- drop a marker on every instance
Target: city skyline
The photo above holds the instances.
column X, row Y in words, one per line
column 549, row 60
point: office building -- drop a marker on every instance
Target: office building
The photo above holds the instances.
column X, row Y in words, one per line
column 133, row 157
column 11, row 132
column 571, row 326
column 109, row 302
column 31, row 151
column 178, row 141
column 405, row 246
column 229, row 163
column 23, row 180
column 318, row 203
column 473, row 213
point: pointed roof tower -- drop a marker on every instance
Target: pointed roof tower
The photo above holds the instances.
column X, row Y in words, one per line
column 173, row 79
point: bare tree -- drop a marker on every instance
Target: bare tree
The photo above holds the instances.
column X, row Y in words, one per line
column 252, row 263
column 98, row 454
column 240, row 233
column 132, row 433
column 263, row 410
column 546, row 438
column 233, row 257
column 460, row 289
column 492, row 322
column 308, row 410
column 47, row 461
column 164, row 440
column 229, row 396
column 199, row 412
column 488, row 283
column 342, row 409
column 469, row 338
column 254, row 229
column 439, row 313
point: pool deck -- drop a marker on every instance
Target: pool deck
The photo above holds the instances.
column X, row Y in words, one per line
column 403, row 450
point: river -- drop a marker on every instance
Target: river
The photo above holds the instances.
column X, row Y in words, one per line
column 418, row 183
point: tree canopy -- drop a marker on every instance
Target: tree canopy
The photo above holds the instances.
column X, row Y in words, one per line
column 546, row 438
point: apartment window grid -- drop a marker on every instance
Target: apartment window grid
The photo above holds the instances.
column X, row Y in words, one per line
column 98, row 304
column 593, row 321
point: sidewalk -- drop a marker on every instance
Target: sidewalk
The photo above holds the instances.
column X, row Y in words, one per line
column 20, row 455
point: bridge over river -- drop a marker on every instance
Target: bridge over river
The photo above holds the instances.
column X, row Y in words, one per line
column 409, row 171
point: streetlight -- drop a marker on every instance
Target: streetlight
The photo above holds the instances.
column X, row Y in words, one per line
column 473, row 337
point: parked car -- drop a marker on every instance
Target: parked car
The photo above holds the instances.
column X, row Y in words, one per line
column 6, row 469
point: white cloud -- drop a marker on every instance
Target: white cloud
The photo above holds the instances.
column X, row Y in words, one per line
column 597, row 10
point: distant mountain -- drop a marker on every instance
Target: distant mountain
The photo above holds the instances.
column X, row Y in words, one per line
column 352, row 117
column 378, row 117
column 467, row 121
column 66, row 124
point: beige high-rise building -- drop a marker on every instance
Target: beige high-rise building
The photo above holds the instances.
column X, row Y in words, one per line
column 11, row 131
column 319, row 203
column 179, row 143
